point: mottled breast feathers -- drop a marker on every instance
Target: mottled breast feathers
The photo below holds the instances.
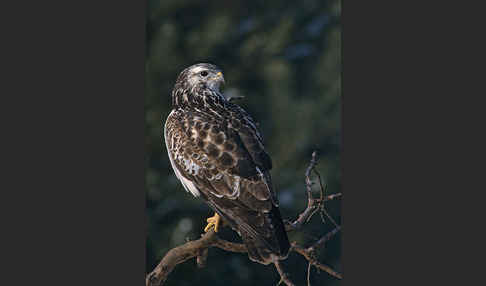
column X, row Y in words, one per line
column 221, row 154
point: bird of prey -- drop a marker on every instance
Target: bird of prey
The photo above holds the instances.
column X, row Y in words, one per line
column 217, row 153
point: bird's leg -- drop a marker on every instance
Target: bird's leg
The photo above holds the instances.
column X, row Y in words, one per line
column 214, row 220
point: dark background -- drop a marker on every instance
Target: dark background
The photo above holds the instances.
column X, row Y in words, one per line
column 285, row 58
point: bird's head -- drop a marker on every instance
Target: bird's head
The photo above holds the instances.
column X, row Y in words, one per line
column 208, row 74
column 193, row 83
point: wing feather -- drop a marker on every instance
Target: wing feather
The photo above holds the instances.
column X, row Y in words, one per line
column 223, row 161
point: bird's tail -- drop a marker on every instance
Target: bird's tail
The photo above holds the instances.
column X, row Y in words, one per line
column 269, row 249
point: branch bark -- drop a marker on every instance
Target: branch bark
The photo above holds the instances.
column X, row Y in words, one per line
column 283, row 276
column 199, row 248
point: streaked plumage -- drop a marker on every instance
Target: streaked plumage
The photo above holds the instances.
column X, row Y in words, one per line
column 218, row 155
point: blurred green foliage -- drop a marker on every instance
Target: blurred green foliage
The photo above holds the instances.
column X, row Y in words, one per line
column 285, row 58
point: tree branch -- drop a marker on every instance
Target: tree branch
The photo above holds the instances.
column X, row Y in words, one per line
column 199, row 248
column 309, row 255
column 283, row 276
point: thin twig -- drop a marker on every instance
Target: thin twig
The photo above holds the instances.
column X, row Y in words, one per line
column 332, row 197
column 283, row 276
column 308, row 182
column 308, row 273
column 325, row 238
column 309, row 255
column 330, row 218
column 312, row 204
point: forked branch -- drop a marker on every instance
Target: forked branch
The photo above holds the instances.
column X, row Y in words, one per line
column 199, row 248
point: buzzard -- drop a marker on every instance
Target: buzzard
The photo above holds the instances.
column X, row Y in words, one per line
column 218, row 155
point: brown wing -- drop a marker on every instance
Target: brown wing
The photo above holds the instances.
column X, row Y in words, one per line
column 222, row 160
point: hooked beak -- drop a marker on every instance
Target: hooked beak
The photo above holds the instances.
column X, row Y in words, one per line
column 219, row 77
column 215, row 81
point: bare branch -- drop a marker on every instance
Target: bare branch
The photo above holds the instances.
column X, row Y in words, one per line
column 308, row 274
column 309, row 254
column 332, row 197
column 176, row 256
column 283, row 276
column 229, row 246
column 313, row 204
column 308, row 182
column 325, row 238
column 199, row 248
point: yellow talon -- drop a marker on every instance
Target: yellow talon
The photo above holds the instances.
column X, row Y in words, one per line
column 213, row 221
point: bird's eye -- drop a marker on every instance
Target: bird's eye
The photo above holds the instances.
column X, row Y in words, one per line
column 204, row 73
